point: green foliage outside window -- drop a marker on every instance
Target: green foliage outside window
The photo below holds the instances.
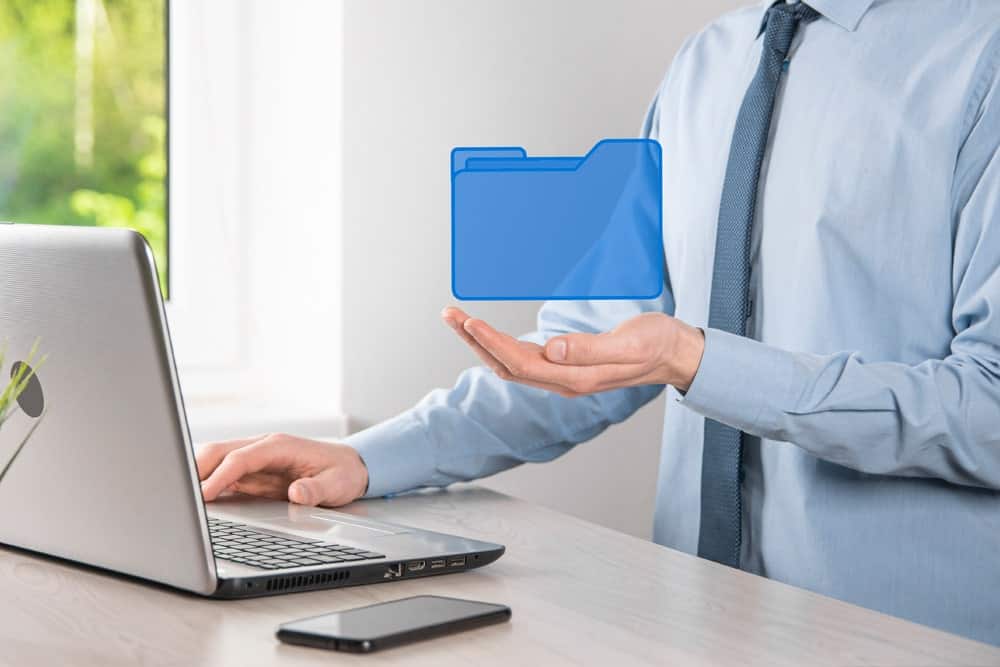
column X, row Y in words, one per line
column 82, row 127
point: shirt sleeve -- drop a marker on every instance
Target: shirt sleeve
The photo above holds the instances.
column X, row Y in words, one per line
column 484, row 424
column 939, row 418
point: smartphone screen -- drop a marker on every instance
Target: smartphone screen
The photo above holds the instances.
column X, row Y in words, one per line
column 392, row 623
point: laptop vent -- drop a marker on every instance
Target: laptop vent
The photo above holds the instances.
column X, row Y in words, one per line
column 303, row 581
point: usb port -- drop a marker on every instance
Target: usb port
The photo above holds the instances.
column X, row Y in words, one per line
column 437, row 564
column 415, row 566
column 458, row 561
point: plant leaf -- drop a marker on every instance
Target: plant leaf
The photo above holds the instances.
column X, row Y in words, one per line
column 23, row 442
column 18, row 383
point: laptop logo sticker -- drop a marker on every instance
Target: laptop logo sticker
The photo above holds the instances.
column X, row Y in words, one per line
column 32, row 399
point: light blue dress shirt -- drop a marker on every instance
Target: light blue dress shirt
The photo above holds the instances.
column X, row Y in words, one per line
column 871, row 380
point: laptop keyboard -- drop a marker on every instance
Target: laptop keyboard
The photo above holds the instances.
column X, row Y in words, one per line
column 240, row 543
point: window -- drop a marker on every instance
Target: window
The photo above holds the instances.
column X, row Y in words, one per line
column 83, row 130
column 254, row 192
column 255, row 109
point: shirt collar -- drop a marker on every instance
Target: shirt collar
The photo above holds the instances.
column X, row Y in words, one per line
column 845, row 13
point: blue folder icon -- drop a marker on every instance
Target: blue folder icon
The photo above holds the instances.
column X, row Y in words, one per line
column 527, row 228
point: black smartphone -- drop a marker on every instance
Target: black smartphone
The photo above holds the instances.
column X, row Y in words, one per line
column 393, row 623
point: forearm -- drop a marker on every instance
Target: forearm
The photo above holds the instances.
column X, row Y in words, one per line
column 936, row 419
column 481, row 426
column 485, row 424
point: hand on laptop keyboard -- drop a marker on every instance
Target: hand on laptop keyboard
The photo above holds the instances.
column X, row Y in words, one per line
column 284, row 467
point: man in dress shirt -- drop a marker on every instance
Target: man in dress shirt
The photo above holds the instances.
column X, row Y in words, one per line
column 855, row 415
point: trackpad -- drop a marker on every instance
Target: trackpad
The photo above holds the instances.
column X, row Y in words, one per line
column 332, row 528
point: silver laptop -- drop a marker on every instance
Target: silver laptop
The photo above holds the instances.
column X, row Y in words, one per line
column 108, row 478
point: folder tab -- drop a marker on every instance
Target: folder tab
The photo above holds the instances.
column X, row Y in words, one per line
column 526, row 228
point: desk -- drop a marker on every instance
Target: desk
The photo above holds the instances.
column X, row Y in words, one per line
column 580, row 593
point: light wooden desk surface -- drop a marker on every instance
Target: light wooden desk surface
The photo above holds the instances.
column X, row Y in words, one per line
column 581, row 594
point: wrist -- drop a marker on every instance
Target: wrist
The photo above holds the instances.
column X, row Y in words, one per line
column 685, row 356
column 357, row 472
column 362, row 489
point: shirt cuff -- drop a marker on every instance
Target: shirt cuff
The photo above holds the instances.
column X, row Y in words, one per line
column 740, row 382
column 398, row 454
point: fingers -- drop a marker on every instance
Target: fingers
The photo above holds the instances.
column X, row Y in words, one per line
column 264, row 485
column 455, row 314
column 581, row 372
column 593, row 349
column 242, row 461
column 310, row 472
column 210, row 456
column 327, row 488
column 509, row 349
column 502, row 347
column 456, row 318
column 520, row 360
column 333, row 486
column 527, row 363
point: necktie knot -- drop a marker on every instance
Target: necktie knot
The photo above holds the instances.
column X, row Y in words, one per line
column 781, row 22
column 796, row 11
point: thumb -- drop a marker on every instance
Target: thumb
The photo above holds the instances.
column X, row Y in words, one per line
column 326, row 488
column 589, row 349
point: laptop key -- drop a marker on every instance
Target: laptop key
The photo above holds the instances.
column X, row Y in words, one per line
column 328, row 559
column 235, row 559
column 306, row 561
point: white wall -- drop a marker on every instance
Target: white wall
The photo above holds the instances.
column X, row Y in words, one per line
column 423, row 76
column 255, row 164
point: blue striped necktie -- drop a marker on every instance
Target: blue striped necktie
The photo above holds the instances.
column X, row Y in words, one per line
column 719, row 538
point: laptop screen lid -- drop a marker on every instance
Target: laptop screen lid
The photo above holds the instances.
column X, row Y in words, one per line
column 108, row 477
